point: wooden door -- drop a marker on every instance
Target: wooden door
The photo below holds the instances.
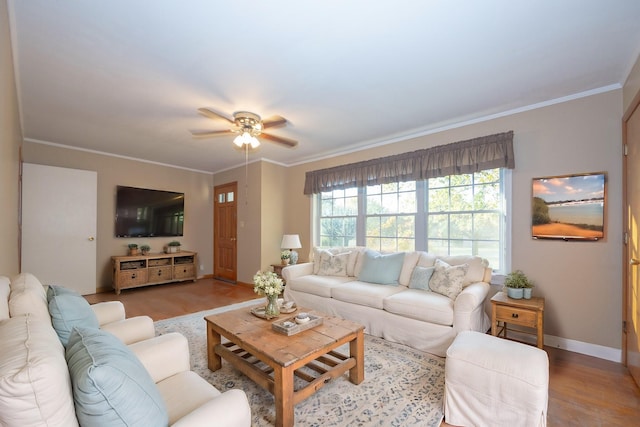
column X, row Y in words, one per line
column 631, row 293
column 225, row 232
column 59, row 216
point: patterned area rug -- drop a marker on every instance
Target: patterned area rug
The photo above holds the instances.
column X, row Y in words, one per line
column 402, row 386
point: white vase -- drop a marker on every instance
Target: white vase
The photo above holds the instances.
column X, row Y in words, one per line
column 527, row 293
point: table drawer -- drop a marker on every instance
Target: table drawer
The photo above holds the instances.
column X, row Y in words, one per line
column 159, row 274
column 517, row 316
column 185, row 271
column 132, row 278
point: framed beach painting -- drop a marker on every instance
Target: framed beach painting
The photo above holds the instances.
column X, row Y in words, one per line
column 569, row 207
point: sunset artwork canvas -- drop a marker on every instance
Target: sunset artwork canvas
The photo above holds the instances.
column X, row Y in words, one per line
column 569, row 207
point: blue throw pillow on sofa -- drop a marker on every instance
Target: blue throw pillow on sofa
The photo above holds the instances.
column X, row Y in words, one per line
column 110, row 385
column 68, row 309
column 381, row 269
column 420, row 278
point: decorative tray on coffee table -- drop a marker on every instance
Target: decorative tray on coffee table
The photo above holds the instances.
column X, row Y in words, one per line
column 259, row 311
column 289, row 326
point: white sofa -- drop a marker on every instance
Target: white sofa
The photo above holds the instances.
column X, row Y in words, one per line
column 37, row 381
column 402, row 313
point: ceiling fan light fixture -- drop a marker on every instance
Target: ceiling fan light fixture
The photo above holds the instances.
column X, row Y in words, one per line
column 246, row 138
column 248, row 127
column 238, row 140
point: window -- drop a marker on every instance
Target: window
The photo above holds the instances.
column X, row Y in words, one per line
column 465, row 215
column 452, row 215
column 339, row 211
column 391, row 216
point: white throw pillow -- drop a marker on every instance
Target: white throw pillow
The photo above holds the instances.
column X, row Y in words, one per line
column 28, row 296
column 333, row 265
column 35, row 389
column 447, row 280
column 476, row 270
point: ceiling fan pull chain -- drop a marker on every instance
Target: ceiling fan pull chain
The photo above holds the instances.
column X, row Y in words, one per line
column 246, row 174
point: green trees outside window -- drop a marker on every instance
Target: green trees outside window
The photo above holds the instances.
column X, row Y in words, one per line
column 452, row 215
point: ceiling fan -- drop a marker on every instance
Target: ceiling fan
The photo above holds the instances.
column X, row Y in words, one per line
column 248, row 126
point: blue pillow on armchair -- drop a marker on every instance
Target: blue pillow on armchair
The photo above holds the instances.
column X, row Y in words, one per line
column 68, row 309
column 110, row 385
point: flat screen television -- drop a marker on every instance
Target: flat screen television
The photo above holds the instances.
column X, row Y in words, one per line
column 141, row 212
column 569, row 207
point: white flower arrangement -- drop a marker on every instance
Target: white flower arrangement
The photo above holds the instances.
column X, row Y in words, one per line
column 285, row 254
column 267, row 283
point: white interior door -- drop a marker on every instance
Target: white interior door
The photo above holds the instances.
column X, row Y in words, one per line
column 59, row 208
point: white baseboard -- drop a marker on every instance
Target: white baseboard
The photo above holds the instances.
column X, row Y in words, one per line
column 595, row 350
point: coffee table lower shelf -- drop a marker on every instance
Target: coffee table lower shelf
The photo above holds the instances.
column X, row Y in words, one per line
column 318, row 373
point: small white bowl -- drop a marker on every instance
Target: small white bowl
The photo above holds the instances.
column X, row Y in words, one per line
column 302, row 318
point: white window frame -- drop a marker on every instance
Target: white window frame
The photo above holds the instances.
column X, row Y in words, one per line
column 507, row 178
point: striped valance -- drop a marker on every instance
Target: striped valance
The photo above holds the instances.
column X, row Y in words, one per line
column 473, row 155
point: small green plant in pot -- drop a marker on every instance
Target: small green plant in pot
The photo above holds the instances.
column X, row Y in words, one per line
column 133, row 248
column 518, row 285
column 145, row 249
column 173, row 247
column 285, row 257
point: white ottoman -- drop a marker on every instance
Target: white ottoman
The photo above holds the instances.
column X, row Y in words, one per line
column 490, row 381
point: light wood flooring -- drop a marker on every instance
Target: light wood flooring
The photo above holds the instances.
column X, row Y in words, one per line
column 583, row 390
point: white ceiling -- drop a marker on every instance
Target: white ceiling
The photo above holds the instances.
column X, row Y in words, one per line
column 126, row 77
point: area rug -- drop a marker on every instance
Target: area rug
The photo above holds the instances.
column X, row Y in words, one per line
column 402, row 386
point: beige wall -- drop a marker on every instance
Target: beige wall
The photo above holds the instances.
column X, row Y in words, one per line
column 632, row 86
column 273, row 210
column 261, row 214
column 114, row 171
column 581, row 281
column 10, row 139
column 248, row 219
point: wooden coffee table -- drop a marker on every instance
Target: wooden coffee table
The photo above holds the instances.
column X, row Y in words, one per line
column 285, row 356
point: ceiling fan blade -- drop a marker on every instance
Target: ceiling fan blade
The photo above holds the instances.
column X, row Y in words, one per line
column 208, row 133
column 280, row 140
column 215, row 115
column 273, row 121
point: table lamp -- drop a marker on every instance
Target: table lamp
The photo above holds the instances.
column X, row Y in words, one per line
column 291, row 242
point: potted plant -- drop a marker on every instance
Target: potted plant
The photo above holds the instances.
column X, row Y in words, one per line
column 285, row 256
column 173, row 247
column 516, row 283
column 145, row 249
column 133, row 249
column 526, row 292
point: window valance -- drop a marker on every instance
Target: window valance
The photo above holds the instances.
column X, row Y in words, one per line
column 473, row 155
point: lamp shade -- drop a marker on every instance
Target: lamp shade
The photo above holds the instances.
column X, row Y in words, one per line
column 290, row 241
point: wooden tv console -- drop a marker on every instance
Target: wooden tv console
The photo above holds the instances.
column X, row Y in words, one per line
column 153, row 269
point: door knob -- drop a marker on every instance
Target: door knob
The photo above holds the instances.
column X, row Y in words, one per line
column 634, row 261
column 91, row 238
